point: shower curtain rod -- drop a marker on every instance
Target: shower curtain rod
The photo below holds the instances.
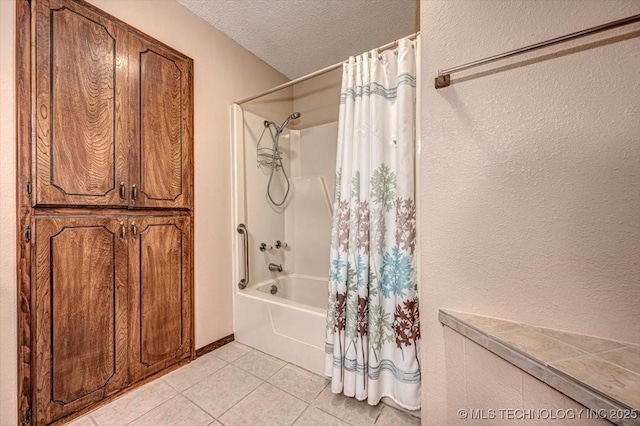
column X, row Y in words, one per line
column 444, row 76
column 316, row 73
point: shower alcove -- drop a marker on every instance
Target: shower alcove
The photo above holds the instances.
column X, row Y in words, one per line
column 284, row 313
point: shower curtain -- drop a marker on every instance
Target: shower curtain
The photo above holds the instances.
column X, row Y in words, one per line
column 373, row 327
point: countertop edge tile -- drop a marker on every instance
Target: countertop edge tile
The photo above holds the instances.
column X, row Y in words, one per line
column 585, row 396
column 556, row 370
column 463, row 328
column 574, row 389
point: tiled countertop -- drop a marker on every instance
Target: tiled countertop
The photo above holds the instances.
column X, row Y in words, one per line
column 601, row 374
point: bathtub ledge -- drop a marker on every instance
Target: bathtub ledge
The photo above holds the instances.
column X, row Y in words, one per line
column 601, row 374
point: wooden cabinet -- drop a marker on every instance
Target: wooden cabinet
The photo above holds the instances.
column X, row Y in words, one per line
column 113, row 113
column 80, row 87
column 107, row 164
column 159, row 294
column 112, row 305
column 159, row 125
column 80, row 313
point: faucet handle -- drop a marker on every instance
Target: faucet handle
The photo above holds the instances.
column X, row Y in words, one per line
column 280, row 244
column 264, row 247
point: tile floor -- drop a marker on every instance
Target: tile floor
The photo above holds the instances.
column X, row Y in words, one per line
column 237, row 385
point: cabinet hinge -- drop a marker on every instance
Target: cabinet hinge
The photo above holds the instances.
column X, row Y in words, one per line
column 27, row 234
column 27, row 414
column 29, row 189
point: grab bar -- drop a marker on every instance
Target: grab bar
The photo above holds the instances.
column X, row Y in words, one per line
column 243, row 230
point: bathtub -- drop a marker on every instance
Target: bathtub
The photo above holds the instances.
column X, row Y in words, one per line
column 289, row 324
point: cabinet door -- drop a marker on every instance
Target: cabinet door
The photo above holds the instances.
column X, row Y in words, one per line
column 160, row 126
column 80, row 83
column 80, row 313
column 159, row 294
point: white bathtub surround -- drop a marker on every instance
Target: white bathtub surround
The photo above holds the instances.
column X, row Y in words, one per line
column 305, row 292
column 373, row 328
column 288, row 324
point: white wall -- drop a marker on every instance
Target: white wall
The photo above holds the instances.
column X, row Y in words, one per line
column 304, row 221
column 223, row 73
column 317, row 153
column 308, row 219
column 8, row 285
column 530, row 176
column 264, row 221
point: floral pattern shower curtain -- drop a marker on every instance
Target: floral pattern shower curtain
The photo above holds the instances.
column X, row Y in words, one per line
column 373, row 327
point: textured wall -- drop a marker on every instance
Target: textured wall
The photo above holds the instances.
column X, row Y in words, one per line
column 224, row 72
column 8, row 315
column 530, row 175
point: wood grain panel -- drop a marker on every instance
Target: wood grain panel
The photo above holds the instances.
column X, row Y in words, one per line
column 82, row 105
column 79, row 68
column 83, row 291
column 160, row 294
column 79, row 91
column 24, row 213
column 81, row 266
column 160, row 127
column 161, row 98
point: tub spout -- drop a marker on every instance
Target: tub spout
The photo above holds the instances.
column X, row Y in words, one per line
column 275, row 268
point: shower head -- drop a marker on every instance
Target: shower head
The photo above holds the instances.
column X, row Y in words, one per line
column 293, row 116
column 281, row 127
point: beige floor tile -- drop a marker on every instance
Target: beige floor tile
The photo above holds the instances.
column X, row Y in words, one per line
column 222, row 390
column 628, row 358
column 194, row 372
column 85, row 420
column 259, row 364
column 178, row 411
column 313, row 416
column 134, row 404
column 347, row 409
column 299, row 382
column 266, row 406
column 392, row 417
column 231, row 351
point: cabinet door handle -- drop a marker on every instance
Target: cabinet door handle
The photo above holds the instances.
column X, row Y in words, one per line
column 123, row 191
column 123, row 231
column 134, row 230
column 134, row 192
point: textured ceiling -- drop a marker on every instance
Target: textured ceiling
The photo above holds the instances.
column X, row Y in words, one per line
column 297, row 37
